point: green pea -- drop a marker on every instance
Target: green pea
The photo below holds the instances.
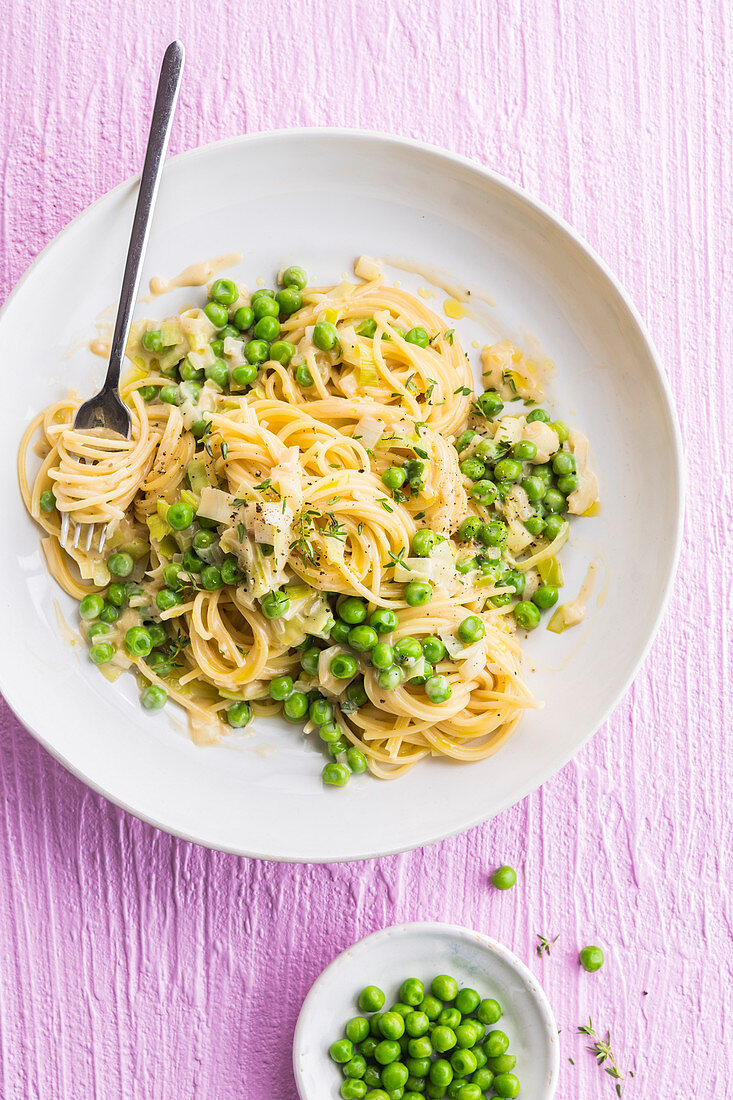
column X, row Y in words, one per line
column 357, row 1029
column 148, row 393
column 383, row 620
column 503, row 878
column 464, row 439
column 545, row 596
column 342, row 1051
column 444, row 987
column 91, row 606
column 420, row 1047
column 256, row 351
column 423, row 542
column 525, row 450
column 367, row 328
column 463, row 1062
column 489, row 1011
column 418, row 1067
column 309, row 660
column 329, row 733
column 469, row 1092
column 471, row 629
column 217, row 346
column 244, row 374
column 417, row 1023
column 191, row 562
column 356, row 760
column 321, row 711
column 239, row 714
column 568, row 484
column 387, row 1051
column 470, row 528
column 264, row 307
column 371, row 999
column 441, row 1072
column 417, row 336
column 211, row 577
column 382, row 655
column 534, row 487
column 343, row 666
column 506, row 1085
column 280, row 688
column 325, row 335
column 263, row 292
column 591, row 959
column 553, row 526
column 121, row 564
column 166, row 599
column 443, row 1038
column 303, row 375
column 432, row 1006
column 373, row 1076
column 340, row 631
column 478, row 1052
column 170, row 395
column 244, row 318
column 216, row 313
column 394, row 477
column 538, row 414
column 563, row 463
column 466, row 1037
column 390, row 678
column 554, row 501
column 289, row 300
column 282, row 352
column 493, row 533
column 502, row 1063
column 355, row 694
column 109, row 613
column 561, row 428
column 267, row 328
column 158, row 634
column 449, row 1017
column 180, row 515
column 484, row 492
column 473, row 468
column 490, row 404
column 467, row 1001
column 138, row 642
column 535, row 525
column 482, row 1078
column 496, row 1043
column 47, row 501
column 418, row 593
column 392, row 1025
column 224, row 291
column 102, row 653
column 230, row 571
column 433, row 649
column 527, row 615
column 516, row 581
column 362, row 638
column 203, row 540
column 295, row 707
column 218, row 373
column 352, row 610
column 294, row 276
column 508, row 469
column 152, row 340
column 96, row 630
column 353, row 1089
column 154, row 697
column 394, row 1076
column 274, row 605
column 407, row 649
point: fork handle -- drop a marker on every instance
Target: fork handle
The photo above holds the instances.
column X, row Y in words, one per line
column 169, row 83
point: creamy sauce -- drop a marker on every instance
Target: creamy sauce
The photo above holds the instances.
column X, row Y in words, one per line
column 68, row 635
column 454, row 309
column 195, row 275
column 425, row 292
column 575, row 611
column 441, row 278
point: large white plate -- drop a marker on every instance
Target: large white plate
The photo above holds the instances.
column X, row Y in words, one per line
column 386, row 959
column 321, row 198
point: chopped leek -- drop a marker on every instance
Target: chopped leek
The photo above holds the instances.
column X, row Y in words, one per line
column 550, row 571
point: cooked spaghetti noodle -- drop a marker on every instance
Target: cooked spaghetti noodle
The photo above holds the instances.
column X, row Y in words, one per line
column 314, row 512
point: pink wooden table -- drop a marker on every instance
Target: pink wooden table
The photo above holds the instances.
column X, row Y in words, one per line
column 135, row 965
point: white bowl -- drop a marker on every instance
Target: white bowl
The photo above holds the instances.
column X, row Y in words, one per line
column 419, row 950
column 321, row 198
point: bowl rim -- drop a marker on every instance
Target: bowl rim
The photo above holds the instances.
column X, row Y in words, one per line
column 529, row 981
column 355, row 136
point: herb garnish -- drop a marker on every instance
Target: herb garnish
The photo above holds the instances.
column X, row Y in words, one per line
column 544, row 944
column 601, row 1051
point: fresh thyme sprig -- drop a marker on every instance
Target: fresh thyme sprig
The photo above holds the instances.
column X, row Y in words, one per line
column 544, row 944
column 601, row 1051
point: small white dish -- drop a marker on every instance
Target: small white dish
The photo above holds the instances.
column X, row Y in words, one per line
column 334, row 195
column 421, row 950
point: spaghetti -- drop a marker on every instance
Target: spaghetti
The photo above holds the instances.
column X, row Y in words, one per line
column 315, row 513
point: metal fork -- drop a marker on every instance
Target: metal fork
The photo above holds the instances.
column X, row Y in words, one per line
column 106, row 410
